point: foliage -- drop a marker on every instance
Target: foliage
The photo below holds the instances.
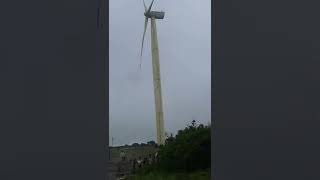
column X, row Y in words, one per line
column 156, row 175
column 189, row 150
column 132, row 152
column 151, row 143
column 184, row 156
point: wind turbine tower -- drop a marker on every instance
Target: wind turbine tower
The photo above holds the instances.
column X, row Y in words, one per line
column 153, row 15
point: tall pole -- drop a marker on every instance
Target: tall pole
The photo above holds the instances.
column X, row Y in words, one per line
column 157, row 83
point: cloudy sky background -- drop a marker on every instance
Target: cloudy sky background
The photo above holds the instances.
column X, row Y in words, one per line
column 184, row 37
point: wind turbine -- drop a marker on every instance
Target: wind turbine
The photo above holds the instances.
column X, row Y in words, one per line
column 153, row 15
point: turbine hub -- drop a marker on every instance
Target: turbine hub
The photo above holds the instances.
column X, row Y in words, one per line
column 155, row 14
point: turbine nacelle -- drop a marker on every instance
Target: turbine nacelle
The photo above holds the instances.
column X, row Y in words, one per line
column 154, row 14
column 149, row 14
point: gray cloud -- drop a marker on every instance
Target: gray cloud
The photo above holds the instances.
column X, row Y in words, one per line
column 185, row 60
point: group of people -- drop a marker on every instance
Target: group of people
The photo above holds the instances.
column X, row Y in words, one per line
column 141, row 162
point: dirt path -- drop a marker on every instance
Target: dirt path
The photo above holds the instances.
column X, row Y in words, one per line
column 112, row 170
column 118, row 169
column 125, row 166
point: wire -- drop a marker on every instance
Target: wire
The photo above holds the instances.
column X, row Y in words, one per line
column 140, row 63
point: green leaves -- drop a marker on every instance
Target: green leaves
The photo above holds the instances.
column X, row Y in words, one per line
column 189, row 150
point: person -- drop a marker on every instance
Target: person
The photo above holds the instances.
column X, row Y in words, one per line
column 153, row 159
column 156, row 157
column 134, row 164
column 122, row 155
column 145, row 161
column 139, row 162
column 150, row 159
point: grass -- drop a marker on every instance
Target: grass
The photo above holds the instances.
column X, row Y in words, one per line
column 132, row 152
column 199, row 175
column 153, row 176
column 148, row 173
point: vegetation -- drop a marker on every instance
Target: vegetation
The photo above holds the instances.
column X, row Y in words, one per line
column 132, row 151
column 199, row 175
column 152, row 143
column 188, row 151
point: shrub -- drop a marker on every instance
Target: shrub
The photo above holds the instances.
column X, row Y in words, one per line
column 189, row 150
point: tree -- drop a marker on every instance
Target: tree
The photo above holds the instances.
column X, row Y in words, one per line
column 169, row 139
column 135, row 144
column 189, row 150
column 193, row 123
column 152, row 143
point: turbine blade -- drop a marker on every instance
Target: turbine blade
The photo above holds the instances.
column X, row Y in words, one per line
column 150, row 6
column 144, row 33
column 145, row 7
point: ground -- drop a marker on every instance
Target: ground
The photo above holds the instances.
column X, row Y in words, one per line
column 126, row 166
column 132, row 152
column 200, row 175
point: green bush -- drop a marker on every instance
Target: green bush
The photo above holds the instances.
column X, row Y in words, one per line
column 184, row 156
column 189, row 150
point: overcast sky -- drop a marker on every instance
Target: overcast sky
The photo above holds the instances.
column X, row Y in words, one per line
column 184, row 37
